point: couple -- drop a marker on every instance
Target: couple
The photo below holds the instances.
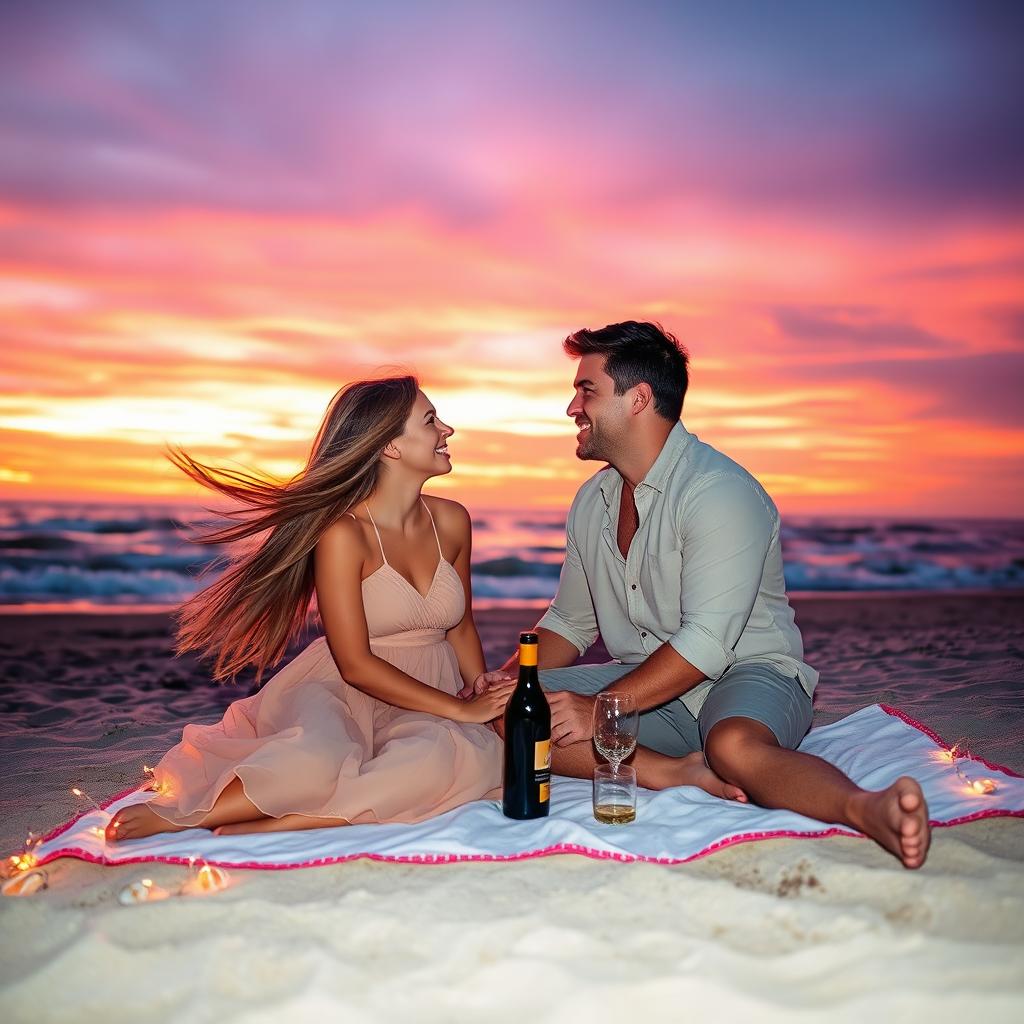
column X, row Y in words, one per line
column 672, row 556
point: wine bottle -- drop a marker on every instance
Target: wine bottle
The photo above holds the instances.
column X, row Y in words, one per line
column 526, row 792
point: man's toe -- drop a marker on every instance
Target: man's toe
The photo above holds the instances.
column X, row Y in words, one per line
column 910, row 799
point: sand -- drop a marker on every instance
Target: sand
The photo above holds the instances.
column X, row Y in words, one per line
column 783, row 929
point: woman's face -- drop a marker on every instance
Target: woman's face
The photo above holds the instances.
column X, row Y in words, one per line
column 424, row 442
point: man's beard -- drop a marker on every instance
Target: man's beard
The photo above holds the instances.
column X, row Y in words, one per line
column 588, row 448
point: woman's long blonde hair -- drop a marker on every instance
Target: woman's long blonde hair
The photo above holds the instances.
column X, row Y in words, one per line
column 250, row 614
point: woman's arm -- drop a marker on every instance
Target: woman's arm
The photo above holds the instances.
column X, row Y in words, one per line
column 338, row 564
column 456, row 529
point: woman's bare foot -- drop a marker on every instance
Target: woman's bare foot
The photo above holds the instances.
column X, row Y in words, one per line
column 286, row 823
column 692, row 770
column 136, row 821
column 896, row 818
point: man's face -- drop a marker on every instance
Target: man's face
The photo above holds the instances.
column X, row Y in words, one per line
column 601, row 416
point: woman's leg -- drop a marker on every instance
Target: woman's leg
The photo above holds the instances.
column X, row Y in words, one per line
column 139, row 820
column 286, row 823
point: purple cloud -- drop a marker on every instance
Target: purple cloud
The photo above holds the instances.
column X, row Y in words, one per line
column 864, row 327
column 473, row 112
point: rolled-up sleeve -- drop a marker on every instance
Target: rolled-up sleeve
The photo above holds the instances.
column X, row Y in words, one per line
column 727, row 531
column 571, row 614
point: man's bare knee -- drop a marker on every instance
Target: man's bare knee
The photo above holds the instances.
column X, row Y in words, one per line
column 731, row 744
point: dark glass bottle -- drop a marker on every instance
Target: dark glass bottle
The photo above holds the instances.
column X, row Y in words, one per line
column 527, row 780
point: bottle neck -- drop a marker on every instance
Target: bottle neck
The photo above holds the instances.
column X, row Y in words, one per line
column 528, row 676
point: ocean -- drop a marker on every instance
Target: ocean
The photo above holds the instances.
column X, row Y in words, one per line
column 86, row 557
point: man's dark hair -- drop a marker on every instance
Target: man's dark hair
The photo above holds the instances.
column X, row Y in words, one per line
column 638, row 353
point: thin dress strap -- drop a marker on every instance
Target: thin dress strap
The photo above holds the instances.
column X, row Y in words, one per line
column 440, row 553
column 376, row 531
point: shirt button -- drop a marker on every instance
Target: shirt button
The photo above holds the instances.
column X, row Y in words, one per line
column 644, row 635
column 633, row 587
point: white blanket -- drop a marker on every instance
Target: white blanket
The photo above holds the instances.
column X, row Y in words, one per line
column 874, row 747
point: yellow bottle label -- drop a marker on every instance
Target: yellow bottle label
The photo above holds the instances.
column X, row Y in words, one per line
column 542, row 755
column 528, row 654
column 545, row 791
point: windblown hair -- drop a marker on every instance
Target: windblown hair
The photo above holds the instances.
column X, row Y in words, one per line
column 639, row 353
column 250, row 614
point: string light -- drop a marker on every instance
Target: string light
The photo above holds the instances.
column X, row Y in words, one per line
column 984, row 785
column 22, row 878
column 160, row 787
column 956, row 755
column 18, row 863
column 85, row 796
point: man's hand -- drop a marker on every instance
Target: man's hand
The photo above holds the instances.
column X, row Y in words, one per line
column 572, row 717
column 484, row 682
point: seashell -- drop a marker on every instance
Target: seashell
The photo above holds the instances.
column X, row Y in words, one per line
column 208, row 879
column 142, row 891
column 25, row 884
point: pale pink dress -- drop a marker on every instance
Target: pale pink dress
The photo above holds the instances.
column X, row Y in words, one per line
column 309, row 743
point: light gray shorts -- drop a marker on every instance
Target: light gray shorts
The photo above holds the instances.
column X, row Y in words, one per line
column 748, row 690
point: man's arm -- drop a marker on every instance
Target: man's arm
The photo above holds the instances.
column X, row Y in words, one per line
column 554, row 651
column 664, row 676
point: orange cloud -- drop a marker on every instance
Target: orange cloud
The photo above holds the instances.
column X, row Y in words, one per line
column 817, row 358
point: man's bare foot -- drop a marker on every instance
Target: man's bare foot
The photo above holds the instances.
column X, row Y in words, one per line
column 896, row 818
column 286, row 823
column 137, row 821
column 692, row 770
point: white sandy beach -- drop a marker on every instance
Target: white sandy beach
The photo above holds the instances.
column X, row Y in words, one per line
column 776, row 930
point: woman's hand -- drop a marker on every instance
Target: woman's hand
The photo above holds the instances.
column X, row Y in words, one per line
column 484, row 682
column 484, row 707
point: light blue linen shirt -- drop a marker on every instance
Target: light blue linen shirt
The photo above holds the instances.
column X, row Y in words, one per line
column 703, row 573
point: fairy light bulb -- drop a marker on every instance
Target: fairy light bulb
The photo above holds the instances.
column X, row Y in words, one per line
column 22, row 862
column 82, row 795
column 18, row 863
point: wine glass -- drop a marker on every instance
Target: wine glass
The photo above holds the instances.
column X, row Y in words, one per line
column 616, row 721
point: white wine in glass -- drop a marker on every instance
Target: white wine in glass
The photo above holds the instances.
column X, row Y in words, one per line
column 616, row 722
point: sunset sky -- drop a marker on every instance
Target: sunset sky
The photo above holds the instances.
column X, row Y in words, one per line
column 213, row 215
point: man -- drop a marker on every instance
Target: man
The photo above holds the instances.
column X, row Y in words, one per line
column 673, row 557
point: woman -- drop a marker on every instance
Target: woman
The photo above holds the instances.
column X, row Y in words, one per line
column 364, row 725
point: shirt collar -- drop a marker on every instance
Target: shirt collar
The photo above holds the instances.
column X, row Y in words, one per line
column 672, row 451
